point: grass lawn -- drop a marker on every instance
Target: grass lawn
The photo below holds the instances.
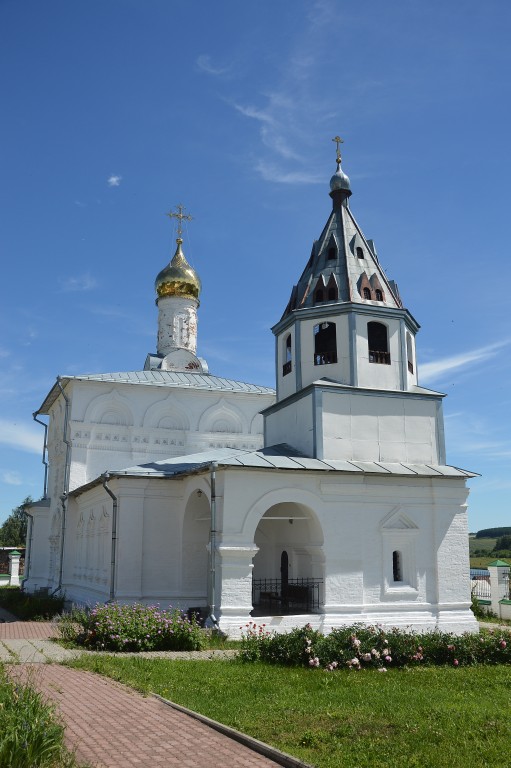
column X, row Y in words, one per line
column 432, row 717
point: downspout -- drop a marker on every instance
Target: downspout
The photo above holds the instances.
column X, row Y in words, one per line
column 45, row 448
column 112, row 495
column 211, row 620
column 63, row 498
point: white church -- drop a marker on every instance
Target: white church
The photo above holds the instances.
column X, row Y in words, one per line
column 326, row 501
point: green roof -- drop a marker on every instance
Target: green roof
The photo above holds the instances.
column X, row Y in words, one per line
column 498, row 564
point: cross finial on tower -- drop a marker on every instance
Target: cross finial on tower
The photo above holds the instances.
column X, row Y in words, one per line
column 179, row 216
column 338, row 142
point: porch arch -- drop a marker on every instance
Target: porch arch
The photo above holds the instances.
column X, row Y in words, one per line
column 195, row 541
column 288, row 535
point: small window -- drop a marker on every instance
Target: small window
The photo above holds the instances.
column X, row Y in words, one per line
column 332, row 253
column 397, row 566
column 378, row 342
column 325, row 344
column 409, row 351
column 318, row 296
column 288, row 364
column 359, row 252
column 378, row 294
column 367, row 293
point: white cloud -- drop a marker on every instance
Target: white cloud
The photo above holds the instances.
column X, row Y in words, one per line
column 11, row 478
column 114, row 181
column 271, row 172
column 297, row 105
column 21, row 436
column 437, row 368
column 256, row 114
column 205, row 64
column 77, row 283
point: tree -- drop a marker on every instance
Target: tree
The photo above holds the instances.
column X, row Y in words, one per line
column 13, row 531
column 504, row 542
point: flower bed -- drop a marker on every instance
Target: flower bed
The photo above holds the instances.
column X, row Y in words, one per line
column 362, row 647
column 116, row 627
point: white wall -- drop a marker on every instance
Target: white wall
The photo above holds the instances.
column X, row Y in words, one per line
column 370, row 427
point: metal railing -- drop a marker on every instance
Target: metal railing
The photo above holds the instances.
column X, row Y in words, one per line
column 375, row 356
column 325, row 358
column 295, row 596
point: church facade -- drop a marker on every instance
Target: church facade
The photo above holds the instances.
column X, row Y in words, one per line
column 328, row 501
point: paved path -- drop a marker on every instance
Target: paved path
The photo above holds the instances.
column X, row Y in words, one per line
column 110, row 725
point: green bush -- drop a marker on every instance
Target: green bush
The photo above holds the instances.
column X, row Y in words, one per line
column 30, row 734
column 30, row 607
column 115, row 627
column 359, row 647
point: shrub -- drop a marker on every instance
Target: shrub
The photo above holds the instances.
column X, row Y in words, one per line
column 115, row 627
column 30, row 735
column 30, row 607
column 360, row 647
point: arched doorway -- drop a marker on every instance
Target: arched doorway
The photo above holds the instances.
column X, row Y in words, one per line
column 288, row 567
column 195, row 556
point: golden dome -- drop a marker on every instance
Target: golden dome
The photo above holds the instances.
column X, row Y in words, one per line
column 178, row 278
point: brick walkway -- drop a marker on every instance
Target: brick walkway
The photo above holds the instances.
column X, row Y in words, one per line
column 27, row 630
column 110, row 725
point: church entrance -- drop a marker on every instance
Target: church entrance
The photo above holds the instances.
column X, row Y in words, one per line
column 288, row 568
column 195, row 557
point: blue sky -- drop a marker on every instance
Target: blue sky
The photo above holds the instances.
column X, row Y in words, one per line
column 114, row 111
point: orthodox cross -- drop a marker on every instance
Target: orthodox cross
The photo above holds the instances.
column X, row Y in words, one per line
column 338, row 141
column 179, row 216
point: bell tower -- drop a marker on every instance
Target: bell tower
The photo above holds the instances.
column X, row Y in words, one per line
column 346, row 338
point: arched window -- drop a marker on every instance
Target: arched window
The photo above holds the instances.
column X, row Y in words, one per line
column 359, row 252
column 332, row 253
column 378, row 342
column 409, row 351
column 325, row 344
column 332, row 291
column 288, row 364
column 318, row 296
column 378, row 294
column 397, row 566
column 367, row 293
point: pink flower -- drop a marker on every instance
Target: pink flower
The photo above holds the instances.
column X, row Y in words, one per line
column 388, row 659
column 366, row 657
column 503, row 643
column 456, row 662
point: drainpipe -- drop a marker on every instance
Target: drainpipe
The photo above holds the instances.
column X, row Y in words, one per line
column 45, row 448
column 211, row 620
column 63, row 498
column 112, row 495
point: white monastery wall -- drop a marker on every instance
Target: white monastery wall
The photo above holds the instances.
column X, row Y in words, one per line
column 380, row 428
column 118, row 426
column 293, row 425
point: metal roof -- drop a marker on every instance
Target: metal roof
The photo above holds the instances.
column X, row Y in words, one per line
column 157, row 378
column 276, row 458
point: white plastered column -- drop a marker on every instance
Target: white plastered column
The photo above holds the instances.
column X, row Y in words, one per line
column 234, row 565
